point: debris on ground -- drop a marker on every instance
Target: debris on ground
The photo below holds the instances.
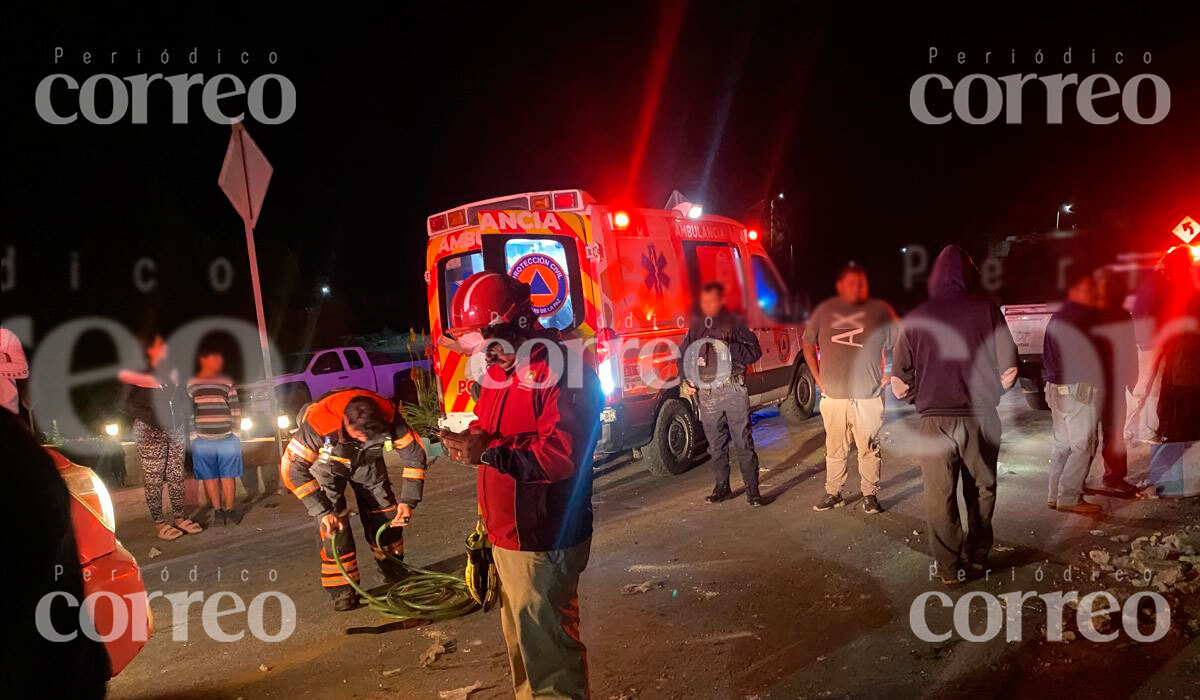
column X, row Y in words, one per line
column 643, row 587
column 155, row 552
column 440, row 646
column 392, row 671
column 1096, row 533
column 264, row 668
column 460, row 693
column 1100, row 556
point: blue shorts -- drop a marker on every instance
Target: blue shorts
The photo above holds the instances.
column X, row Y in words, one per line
column 217, row 459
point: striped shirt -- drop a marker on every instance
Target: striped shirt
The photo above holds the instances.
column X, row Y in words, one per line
column 215, row 401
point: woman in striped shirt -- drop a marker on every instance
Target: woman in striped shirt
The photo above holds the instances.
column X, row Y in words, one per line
column 216, row 450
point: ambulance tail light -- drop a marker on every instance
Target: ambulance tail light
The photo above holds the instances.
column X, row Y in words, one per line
column 607, row 364
column 620, row 220
column 566, row 200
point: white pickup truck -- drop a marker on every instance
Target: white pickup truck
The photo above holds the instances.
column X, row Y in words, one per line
column 1027, row 323
column 308, row 375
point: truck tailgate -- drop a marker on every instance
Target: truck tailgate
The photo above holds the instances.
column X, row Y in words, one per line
column 1027, row 323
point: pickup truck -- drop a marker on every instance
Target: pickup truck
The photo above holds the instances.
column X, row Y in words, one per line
column 308, row 375
column 1027, row 322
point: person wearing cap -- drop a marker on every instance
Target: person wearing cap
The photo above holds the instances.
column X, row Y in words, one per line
column 537, row 424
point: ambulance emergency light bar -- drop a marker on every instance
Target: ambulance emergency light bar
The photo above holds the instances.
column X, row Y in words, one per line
column 558, row 200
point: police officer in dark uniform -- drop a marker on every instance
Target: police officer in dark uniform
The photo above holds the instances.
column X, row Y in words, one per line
column 716, row 352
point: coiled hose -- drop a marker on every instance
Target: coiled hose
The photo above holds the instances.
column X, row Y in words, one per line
column 422, row 595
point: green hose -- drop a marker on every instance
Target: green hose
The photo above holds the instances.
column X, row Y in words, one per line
column 422, row 595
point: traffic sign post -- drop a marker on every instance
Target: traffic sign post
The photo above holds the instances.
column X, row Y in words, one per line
column 244, row 177
column 1187, row 229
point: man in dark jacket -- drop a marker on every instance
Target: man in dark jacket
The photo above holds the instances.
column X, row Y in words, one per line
column 1119, row 354
column 955, row 358
column 715, row 369
column 1074, row 374
column 538, row 421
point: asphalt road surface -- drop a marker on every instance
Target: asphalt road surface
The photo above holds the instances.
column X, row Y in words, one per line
column 778, row 602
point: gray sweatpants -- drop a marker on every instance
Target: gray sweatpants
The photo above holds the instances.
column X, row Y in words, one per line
column 1075, row 419
column 953, row 448
column 725, row 414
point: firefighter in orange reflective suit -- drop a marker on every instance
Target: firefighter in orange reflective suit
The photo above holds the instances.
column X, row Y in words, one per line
column 351, row 437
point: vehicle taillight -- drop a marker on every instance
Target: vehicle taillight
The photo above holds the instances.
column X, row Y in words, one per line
column 539, row 202
column 565, row 200
column 752, row 235
column 620, row 220
column 437, row 223
column 607, row 364
column 89, row 490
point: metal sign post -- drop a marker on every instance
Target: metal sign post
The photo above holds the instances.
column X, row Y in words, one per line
column 244, row 177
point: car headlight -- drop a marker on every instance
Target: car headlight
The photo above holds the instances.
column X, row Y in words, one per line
column 89, row 490
column 112, row 429
column 247, row 424
column 283, row 422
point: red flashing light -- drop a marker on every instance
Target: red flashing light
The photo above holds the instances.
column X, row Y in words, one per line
column 565, row 200
column 539, row 202
column 620, row 220
column 457, row 218
column 752, row 235
column 437, row 223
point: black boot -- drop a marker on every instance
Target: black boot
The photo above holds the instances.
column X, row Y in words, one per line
column 720, row 493
column 392, row 571
column 345, row 598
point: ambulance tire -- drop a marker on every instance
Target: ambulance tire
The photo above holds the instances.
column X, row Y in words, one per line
column 801, row 401
column 676, row 440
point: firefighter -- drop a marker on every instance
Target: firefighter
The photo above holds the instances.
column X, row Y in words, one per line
column 533, row 440
column 351, row 436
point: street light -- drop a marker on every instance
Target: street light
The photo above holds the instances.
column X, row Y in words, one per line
column 325, row 290
column 1064, row 209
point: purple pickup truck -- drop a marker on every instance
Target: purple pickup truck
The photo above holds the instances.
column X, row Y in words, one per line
column 309, row 375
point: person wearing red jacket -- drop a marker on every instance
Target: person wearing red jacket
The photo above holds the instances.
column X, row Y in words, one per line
column 537, row 423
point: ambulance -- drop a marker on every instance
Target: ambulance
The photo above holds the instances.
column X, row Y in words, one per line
column 623, row 278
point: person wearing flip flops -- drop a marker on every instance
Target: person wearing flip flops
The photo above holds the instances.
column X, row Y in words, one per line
column 153, row 403
column 216, row 450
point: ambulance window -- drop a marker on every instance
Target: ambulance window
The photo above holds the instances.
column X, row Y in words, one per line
column 768, row 288
column 454, row 271
column 716, row 262
column 544, row 264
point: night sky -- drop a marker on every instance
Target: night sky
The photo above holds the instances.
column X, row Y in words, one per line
column 401, row 114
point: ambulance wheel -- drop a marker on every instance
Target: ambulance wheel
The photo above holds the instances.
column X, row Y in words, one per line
column 801, row 401
column 672, row 449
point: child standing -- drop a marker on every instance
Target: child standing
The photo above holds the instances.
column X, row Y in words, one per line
column 216, row 450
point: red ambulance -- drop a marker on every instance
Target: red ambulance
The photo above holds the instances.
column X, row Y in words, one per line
column 626, row 279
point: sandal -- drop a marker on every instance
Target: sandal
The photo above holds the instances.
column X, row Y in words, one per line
column 189, row 527
column 168, row 532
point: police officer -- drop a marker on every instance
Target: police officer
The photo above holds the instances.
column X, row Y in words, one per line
column 351, row 436
column 538, row 414
column 725, row 348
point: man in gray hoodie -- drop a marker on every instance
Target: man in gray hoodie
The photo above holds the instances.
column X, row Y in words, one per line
column 955, row 358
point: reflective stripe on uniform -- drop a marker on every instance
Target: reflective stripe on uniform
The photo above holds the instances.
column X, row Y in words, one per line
column 404, row 441
column 413, row 473
column 306, row 488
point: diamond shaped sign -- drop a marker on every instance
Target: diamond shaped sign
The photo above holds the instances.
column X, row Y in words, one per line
column 1187, row 229
column 245, row 175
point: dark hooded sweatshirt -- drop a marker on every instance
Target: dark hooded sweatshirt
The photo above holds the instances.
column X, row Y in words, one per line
column 954, row 347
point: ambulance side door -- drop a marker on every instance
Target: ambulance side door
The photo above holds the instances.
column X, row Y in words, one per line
column 766, row 314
